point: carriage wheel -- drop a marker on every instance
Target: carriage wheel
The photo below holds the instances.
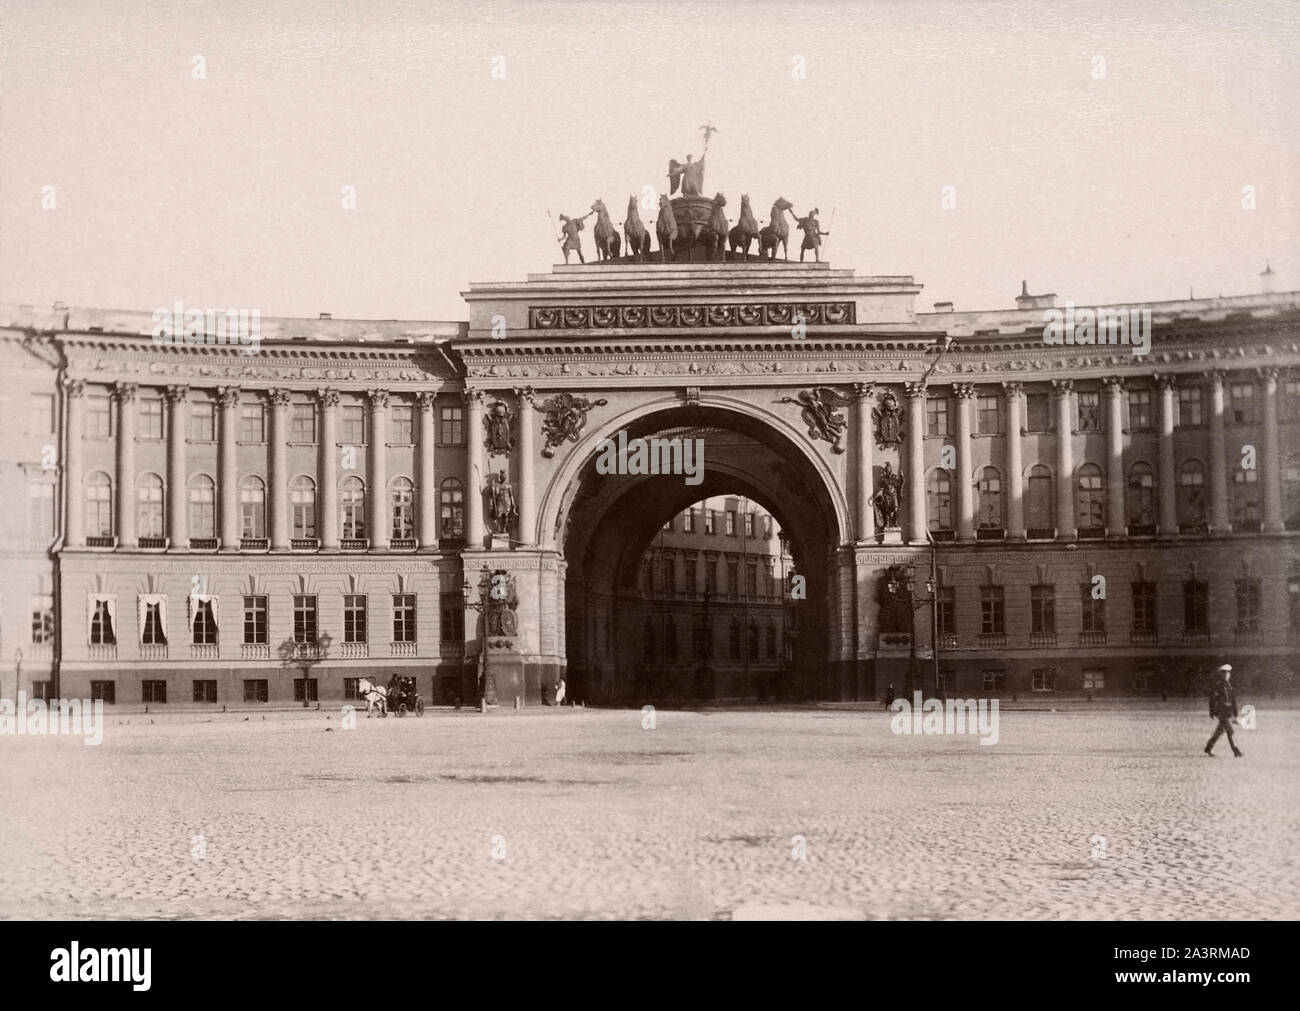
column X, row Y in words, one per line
column 401, row 710
column 419, row 707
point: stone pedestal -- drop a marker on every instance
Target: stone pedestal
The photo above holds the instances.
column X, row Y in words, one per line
column 892, row 535
column 499, row 542
column 508, row 675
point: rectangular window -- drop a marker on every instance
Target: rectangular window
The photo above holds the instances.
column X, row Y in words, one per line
column 1196, row 606
column 302, row 423
column 1248, row 605
column 106, row 690
column 42, row 608
column 1191, row 412
column 751, row 580
column 995, row 680
column 1042, row 609
column 304, row 689
column 1291, row 400
column 354, row 617
column 749, row 524
column 252, row 423
column 42, row 414
column 1094, row 679
column 711, row 576
column 709, row 526
column 257, row 690
column 403, row 430
column 404, row 617
column 1089, row 411
column 205, row 691
column 151, row 418
column 352, row 425
column 688, row 521
column 731, row 523
column 992, row 612
column 203, row 421
column 153, row 691
column 351, row 689
column 205, row 623
column 1093, row 610
column 947, row 604
column 1139, row 411
column 255, row 628
column 152, row 632
column 451, row 430
column 40, row 512
column 1043, row 679
column 453, row 617
column 733, row 578
column 304, row 618
column 1242, row 403
column 99, row 417
column 1038, row 412
column 1144, row 608
column 938, row 416
column 101, row 625
column 670, row 572
column 988, row 414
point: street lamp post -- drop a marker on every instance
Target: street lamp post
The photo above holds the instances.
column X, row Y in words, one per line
column 486, row 682
column 18, row 672
column 898, row 581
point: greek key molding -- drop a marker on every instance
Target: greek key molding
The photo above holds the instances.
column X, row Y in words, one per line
column 691, row 316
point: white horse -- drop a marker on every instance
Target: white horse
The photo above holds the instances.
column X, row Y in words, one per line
column 374, row 696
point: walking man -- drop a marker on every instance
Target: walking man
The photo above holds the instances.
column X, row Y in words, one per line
column 1223, row 707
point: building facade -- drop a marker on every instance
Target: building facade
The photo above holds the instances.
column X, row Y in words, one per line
column 205, row 524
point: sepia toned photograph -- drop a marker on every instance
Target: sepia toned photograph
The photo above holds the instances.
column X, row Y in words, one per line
column 650, row 461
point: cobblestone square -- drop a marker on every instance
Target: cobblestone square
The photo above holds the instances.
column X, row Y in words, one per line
column 818, row 812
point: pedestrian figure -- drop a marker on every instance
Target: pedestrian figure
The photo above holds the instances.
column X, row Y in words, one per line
column 1223, row 707
column 889, row 695
column 559, row 692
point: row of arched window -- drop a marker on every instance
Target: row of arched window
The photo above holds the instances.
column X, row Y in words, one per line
column 665, row 635
column 1140, row 500
column 352, row 505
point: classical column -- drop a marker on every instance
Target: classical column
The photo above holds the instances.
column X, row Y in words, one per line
column 866, row 515
column 1116, row 520
column 327, row 517
column 965, row 489
column 427, row 490
column 1065, row 528
column 381, row 515
column 228, row 467
column 74, row 534
column 1168, row 488
column 474, row 476
column 177, row 397
column 527, row 497
column 1218, row 476
column 1015, row 466
column 1271, row 464
column 124, row 394
column 278, row 476
column 914, row 481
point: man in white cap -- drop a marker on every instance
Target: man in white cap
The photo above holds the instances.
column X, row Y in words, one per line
column 1223, row 707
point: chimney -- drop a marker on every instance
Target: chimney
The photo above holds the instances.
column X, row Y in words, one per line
column 1027, row 301
column 1266, row 279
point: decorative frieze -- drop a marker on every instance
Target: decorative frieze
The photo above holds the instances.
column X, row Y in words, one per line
column 604, row 317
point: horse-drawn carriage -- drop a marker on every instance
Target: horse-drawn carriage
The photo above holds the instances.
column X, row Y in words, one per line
column 402, row 696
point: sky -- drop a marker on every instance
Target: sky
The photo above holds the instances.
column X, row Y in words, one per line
column 199, row 151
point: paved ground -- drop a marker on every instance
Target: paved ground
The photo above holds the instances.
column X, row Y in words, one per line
column 596, row 817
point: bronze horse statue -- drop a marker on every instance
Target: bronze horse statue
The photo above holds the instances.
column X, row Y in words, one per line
column 713, row 236
column 638, row 238
column 777, row 231
column 604, row 232
column 746, row 230
column 666, row 229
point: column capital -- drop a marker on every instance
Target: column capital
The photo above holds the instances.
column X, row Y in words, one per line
column 1114, row 384
column 327, row 397
column 1166, row 380
column 177, row 394
column 914, row 391
column 229, row 395
column 124, row 393
column 525, row 395
column 1214, row 378
column 74, row 388
column 863, row 390
column 278, row 396
column 425, row 399
column 472, row 397
column 1062, row 387
column 1268, row 372
column 1013, row 387
column 964, row 390
column 378, row 399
